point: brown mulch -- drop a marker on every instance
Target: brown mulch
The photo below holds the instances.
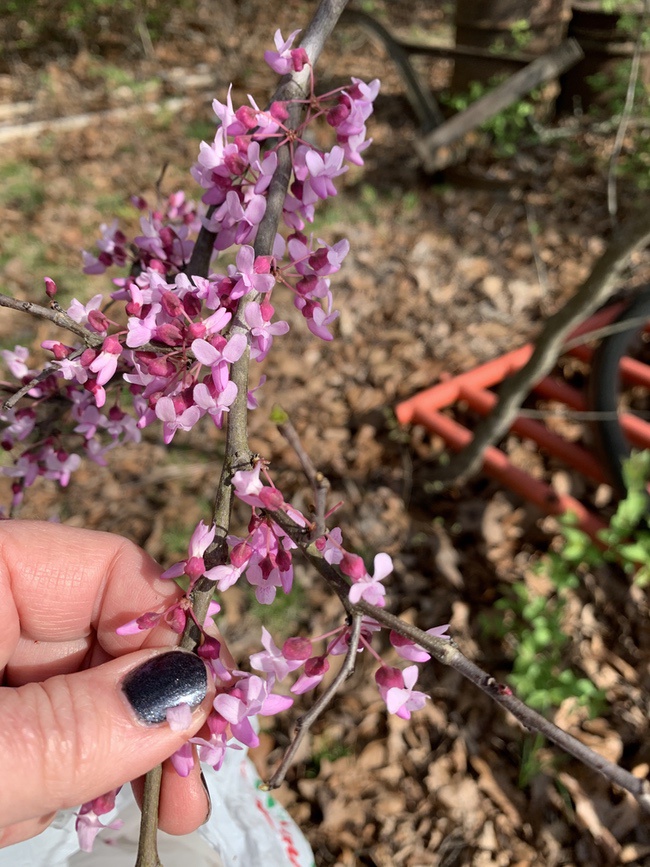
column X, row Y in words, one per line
column 439, row 279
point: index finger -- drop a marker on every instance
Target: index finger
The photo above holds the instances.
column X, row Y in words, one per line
column 61, row 583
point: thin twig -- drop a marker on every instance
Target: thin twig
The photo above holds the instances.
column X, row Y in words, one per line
column 605, row 331
column 540, row 265
column 319, row 483
column 305, row 722
column 55, row 315
column 612, row 196
column 147, row 843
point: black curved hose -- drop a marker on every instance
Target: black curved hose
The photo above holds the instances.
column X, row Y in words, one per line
column 605, row 386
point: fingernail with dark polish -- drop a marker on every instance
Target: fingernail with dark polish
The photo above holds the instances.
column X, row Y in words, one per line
column 165, row 681
column 207, row 794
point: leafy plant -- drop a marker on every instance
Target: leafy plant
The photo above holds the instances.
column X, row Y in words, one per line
column 505, row 128
column 533, row 623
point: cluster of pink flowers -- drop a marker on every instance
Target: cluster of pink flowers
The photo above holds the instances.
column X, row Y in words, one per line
column 264, row 559
column 162, row 350
column 175, row 353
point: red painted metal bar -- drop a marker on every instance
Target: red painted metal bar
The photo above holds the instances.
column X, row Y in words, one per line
column 492, row 372
column 483, row 376
column 497, row 465
column 484, row 402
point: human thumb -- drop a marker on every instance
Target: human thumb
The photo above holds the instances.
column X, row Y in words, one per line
column 73, row 737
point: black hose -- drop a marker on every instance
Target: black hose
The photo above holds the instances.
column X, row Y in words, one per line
column 605, row 387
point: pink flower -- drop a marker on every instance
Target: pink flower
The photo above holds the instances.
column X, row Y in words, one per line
column 79, row 312
column 88, row 824
column 213, row 751
column 401, row 701
column 323, row 168
column 16, row 361
column 247, row 485
column 194, row 566
column 183, row 760
column 258, row 317
column 173, row 419
column 213, row 402
column 407, row 649
column 369, row 587
column 252, row 274
column 285, row 59
column 315, row 670
column 252, row 695
column 272, row 659
column 105, row 364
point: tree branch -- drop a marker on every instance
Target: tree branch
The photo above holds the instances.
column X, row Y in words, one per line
column 306, row 721
column 53, row 314
column 447, row 653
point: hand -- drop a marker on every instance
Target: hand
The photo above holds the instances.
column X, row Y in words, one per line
column 67, row 731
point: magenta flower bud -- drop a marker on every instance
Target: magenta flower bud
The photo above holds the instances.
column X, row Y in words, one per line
column 196, row 331
column 387, row 677
column 316, row 665
column 112, row 345
column 167, row 236
column 240, row 554
column 50, row 287
column 98, row 321
column 210, row 649
column 60, row 351
column 271, row 498
column 296, row 648
column 139, row 203
column 262, row 264
column 194, row 567
column 353, row 566
column 340, row 112
column 235, row 164
column 177, row 619
column 87, row 357
column 284, row 560
column 171, row 304
column 168, row 334
column 116, row 414
column 105, row 803
column 148, row 620
column 267, row 310
column 192, row 305
column 247, row 116
column 266, row 566
column 216, row 723
column 306, row 284
column 299, row 58
column 161, row 367
column 157, row 265
column 278, row 111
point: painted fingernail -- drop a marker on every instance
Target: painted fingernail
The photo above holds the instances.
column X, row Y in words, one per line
column 207, row 795
column 165, row 681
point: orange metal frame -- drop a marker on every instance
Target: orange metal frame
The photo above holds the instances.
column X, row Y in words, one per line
column 473, row 388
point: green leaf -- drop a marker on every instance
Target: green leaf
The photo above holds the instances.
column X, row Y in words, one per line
column 278, row 415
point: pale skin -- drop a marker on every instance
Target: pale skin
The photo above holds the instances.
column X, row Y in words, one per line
column 67, row 733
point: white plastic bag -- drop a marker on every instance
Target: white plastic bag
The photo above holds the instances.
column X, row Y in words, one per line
column 246, row 827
